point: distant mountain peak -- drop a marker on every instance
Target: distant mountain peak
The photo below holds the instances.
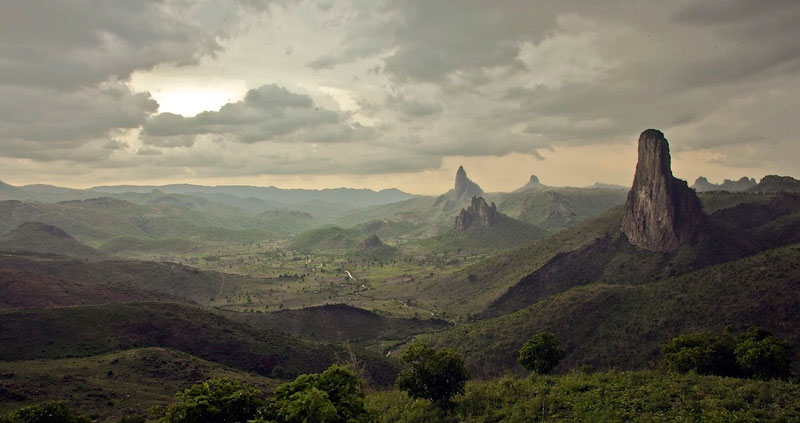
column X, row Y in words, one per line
column 662, row 212
column 464, row 188
column 479, row 213
column 743, row 184
column 775, row 183
column 533, row 183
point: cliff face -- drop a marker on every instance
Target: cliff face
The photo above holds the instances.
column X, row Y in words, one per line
column 662, row 212
column 478, row 213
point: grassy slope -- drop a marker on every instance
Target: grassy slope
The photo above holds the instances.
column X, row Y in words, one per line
column 114, row 385
column 328, row 239
column 506, row 233
column 624, row 326
column 558, row 208
column 644, row 397
column 99, row 220
column 472, row 288
column 91, row 330
column 42, row 281
column 42, row 238
column 339, row 322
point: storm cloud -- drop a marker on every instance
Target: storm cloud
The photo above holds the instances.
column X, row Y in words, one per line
column 390, row 86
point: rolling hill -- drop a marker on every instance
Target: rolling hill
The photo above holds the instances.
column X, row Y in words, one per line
column 40, row 237
column 83, row 331
column 624, row 326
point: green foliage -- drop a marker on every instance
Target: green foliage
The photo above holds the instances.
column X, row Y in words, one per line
column 754, row 353
column 705, row 353
column 762, row 355
column 541, row 353
column 51, row 412
column 333, row 396
column 625, row 327
column 640, row 397
column 217, row 400
column 432, row 374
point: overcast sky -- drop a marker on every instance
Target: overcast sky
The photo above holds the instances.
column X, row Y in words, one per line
column 380, row 94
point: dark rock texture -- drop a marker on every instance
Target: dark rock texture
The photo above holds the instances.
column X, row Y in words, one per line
column 743, row 184
column 662, row 212
column 478, row 213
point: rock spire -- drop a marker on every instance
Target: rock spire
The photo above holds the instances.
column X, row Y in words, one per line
column 662, row 212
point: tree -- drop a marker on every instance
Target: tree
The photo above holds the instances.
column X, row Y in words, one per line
column 436, row 375
column 541, row 353
column 50, row 412
column 763, row 356
column 753, row 353
column 705, row 353
column 217, row 400
column 333, row 396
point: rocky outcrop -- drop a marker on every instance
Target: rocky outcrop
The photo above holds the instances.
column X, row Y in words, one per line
column 775, row 183
column 478, row 213
column 464, row 187
column 533, row 183
column 662, row 212
column 463, row 190
column 743, row 184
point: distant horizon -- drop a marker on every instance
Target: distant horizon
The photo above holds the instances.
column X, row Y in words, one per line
column 319, row 94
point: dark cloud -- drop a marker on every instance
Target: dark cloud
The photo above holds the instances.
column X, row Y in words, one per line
column 265, row 113
column 84, row 42
column 73, row 117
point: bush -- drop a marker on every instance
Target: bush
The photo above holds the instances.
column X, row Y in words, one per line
column 705, row 353
column 540, row 353
column 214, row 401
column 436, row 375
column 51, row 412
column 754, row 353
column 333, row 396
column 763, row 356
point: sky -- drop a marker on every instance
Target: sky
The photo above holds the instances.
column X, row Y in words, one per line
column 380, row 94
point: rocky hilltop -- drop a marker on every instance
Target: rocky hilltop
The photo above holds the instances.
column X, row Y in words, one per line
column 478, row 213
column 463, row 190
column 464, row 187
column 533, row 183
column 743, row 184
column 662, row 212
column 775, row 183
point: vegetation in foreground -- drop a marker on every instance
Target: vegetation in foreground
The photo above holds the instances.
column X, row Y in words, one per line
column 643, row 396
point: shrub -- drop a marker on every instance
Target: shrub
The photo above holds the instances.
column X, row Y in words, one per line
column 540, row 353
column 50, row 412
column 214, row 401
column 436, row 375
column 333, row 396
column 763, row 356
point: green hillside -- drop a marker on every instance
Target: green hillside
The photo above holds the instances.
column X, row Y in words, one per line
column 111, row 386
column 43, row 238
column 98, row 220
column 641, row 397
column 554, row 208
column 624, row 326
column 328, row 239
column 91, row 330
column 338, row 323
column 504, row 234
column 43, row 281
